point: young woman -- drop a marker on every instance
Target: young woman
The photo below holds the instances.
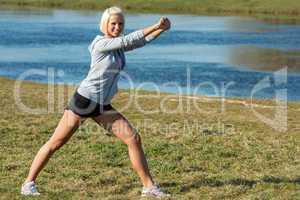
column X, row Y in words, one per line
column 94, row 94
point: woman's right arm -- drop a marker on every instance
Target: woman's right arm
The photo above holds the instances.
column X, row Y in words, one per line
column 135, row 39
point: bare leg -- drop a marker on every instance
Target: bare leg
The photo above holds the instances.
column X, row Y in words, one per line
column 65, row 129
column 120, row 126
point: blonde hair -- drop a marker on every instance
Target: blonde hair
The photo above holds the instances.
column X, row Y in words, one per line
column 106, row 15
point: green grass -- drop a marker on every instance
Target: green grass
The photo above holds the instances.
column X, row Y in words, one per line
column 271, row 9
column 245, row 160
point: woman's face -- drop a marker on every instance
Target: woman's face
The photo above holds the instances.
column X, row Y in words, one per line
column 115, row 26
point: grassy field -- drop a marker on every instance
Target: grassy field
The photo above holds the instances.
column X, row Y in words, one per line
column 230, row 155
column 287, row 9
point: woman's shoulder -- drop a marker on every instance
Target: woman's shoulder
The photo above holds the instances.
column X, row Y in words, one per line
column 95, row 41
column 98, row 38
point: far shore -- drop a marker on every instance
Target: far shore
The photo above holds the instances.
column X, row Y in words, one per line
column 288, row 10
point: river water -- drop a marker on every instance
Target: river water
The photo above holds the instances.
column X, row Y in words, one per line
column 207, row 55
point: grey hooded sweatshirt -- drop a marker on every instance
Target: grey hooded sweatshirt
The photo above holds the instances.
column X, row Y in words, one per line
column 107, row 60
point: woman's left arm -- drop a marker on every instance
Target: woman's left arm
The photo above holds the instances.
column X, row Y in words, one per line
column 148, row 34
column 154, row 31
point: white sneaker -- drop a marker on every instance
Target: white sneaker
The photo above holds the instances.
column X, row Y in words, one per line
column 29, row 189
column 154, row 191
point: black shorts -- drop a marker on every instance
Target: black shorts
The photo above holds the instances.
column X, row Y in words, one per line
column 85, row 107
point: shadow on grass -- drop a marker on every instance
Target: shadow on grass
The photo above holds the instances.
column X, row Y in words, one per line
column 277, row 180
column 211, row 182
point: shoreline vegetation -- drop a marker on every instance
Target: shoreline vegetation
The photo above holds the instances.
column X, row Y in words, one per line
column 207, row 153
column 268, row 9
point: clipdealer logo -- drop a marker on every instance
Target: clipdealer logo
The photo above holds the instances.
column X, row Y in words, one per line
column 279, row 82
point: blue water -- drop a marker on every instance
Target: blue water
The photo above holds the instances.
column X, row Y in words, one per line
column 199, row 55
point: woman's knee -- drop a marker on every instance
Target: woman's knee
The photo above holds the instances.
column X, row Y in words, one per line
column 121, row 126
column 122, row 129
column 134, row 139
column 53, row 146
